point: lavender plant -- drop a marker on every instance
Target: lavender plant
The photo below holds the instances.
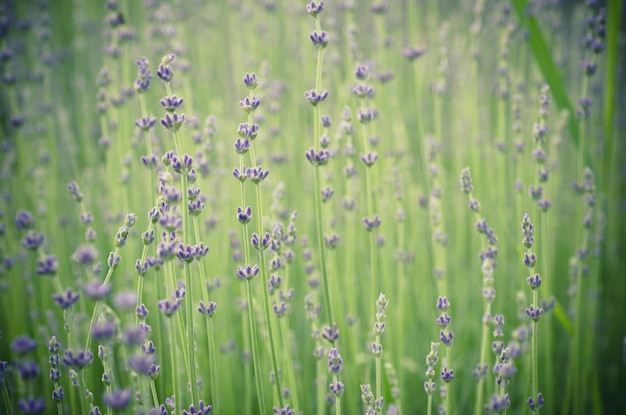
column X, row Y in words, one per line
column 140, row 317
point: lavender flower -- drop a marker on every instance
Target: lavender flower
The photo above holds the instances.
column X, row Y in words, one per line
column 118, row 399
column 201, row 410
column 32, row 405
column 412, row 53
column 78, row 360
column 65, row 299
column 23, row 345
column 335, row 362
column 319, row 39
column 314, row 97
column 314, row 8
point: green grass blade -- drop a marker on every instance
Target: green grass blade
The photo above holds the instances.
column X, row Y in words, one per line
column 563, row 319
column 546, row 64
column 613, row 26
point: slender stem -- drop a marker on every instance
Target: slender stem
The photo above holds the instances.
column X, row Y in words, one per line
column 97, row 305
column 190, row 335
column 478, row 408
column 155, row 396
column 288, row 362
column 209, row 324
column 173, row 366
column 213, row 364
column 320, row 376
column 255, row 349
column 266, row 304
column 6, row 399
column 320, row 243
column 379, row 389
column 317, row 180
column 449, row 384
column 337, row 398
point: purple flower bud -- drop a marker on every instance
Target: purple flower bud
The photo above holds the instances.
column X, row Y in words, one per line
column 77, row 360
column 319, row 39
column 257, row 174
column 466, row 180
column 72, row 187
column 23, row 345
column 535, row 405
column 164, row 72
column 32, row 240
column 240, row 175
column 113, row 260
column 249, row 104
column 65, row 299
column 447, row 375
column 186, row 253
column 534, row 313
column 331, row 334
column 142, row 312
column 168, row 308
column 377, row 349
column 530, row 259
column 366, row 115
column 247, row 272
column 363, row 90
column 317, row 158
column 335, row 362
column 248, row 131
column 443, row 304
column 242, row 146
column 201, row 410
column 371, row 224
column 119, row 399
column 443, row 321
column 314, row 8
column 430, row 387
column 380, row 8
column 58, row 394
column 32, row 405
column 104, row 331
column 360, row 72
column 145, row 123
column 173, row 121
column 250, row 80
column 369, row 159
column 208, row 309
column 96, row 291
column 171, row 103
column 446, row 338
column 314, row 97
column 412, row 53
column 261, row 243
column 47, row 265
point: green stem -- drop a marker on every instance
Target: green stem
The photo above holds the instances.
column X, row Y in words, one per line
column 318, row 202
column 268, row 313
column 291, row 378
column 209, row 325
column 97, row 305
column 255, row 348
column 379, row 389
column 449, row 384
column 155, row 396
column 320, row 377
column 478, row 408
column 6, row 399
column 190, row 336
column 320, row 243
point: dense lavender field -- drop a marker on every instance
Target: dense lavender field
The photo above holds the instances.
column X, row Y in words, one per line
column 272, row 206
